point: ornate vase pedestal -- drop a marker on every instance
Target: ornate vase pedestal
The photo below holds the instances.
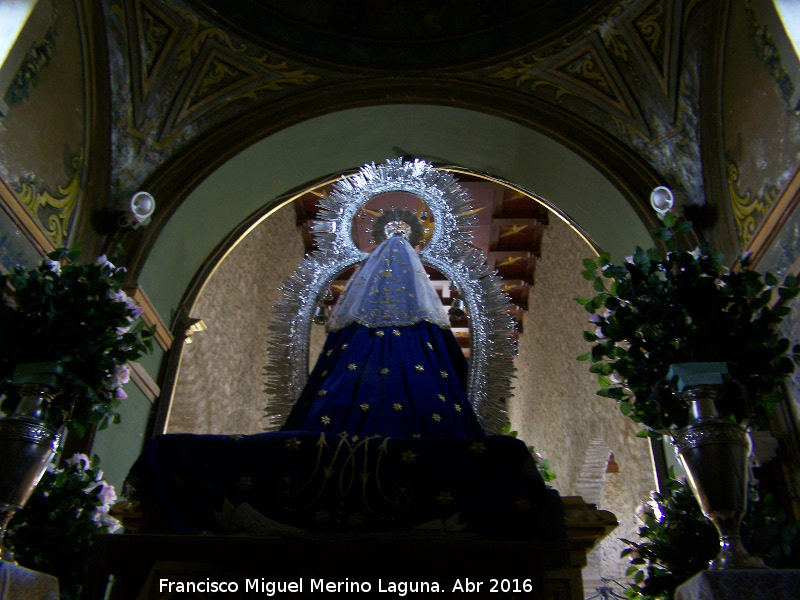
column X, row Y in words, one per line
column 715, row 452
column 27, row 445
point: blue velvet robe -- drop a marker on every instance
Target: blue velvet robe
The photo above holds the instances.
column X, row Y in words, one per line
column 390, row 368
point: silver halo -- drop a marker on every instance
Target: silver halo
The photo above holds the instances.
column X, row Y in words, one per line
column 492, row 348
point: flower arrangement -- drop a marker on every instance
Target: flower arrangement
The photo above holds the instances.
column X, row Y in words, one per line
column 53, row 533
column 677, row 541
column 542, row 463
column 656, row 310
column 76, row 317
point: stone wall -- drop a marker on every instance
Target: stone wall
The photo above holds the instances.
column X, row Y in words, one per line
column 556, row 410
column 220, row 387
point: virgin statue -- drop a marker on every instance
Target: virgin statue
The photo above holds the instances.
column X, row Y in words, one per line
column 390, row 365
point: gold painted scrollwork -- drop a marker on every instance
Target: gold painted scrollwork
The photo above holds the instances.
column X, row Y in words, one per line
column 200, row 32
column 748, row 210
column 651, row 29
column 54, row 213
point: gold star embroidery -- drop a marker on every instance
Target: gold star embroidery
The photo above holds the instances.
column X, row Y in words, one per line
column 396, row 332
column 365, row 407
column 436, row 417
column 344, row 346
column 245, row 483
column 235, row 437
column 351, row 367
column 429, row 345
column 458, row 408
column 322, row 392
column 477, row 448
column 384, row 371
column 326, row 420
column 408, row 457
column 380, row 333
column 329, row 352
column 419, row 368
column 397, row 406
column 442, row 398
column 443, row 374
column 416, row 435
column 445, row 498
column 323, row 374
column 293, row 444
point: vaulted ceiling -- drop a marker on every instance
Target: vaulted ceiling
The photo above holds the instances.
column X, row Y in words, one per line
column 194, row 83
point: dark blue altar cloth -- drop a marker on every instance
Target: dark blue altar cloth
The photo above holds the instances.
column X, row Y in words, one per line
column 311, row 481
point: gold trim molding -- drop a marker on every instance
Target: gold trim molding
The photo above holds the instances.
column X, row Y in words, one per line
column 150, row 316
column 771, row 225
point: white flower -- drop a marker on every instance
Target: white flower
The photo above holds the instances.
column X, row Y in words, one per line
column 53, row 265
column 697, row 252
column 122, row 374
column 103, row 260
column 117, row 296
column 594, row 318
column 599, row 333
column 629, row 259
column 110, row 523
column 107, row 496
column 120, row 394
column 134, row 310
column 80, row 460
column 615, row 378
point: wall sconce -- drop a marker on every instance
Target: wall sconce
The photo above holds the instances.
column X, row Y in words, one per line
column 662, row 200
column 137, row 210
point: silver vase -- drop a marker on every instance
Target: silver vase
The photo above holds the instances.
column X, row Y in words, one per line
column 715, row 452
column 27, row 445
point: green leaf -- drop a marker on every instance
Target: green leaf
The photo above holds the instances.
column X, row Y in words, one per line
column 683, row 227
column 770, row 279
column 643, row 433
column 612, row 392
column 590, row 337
column 602, row 368
column 585, row 356
column 588, row 263
column 598, row 301
column 599, row 286
column 583, row 301
column 590, row 275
